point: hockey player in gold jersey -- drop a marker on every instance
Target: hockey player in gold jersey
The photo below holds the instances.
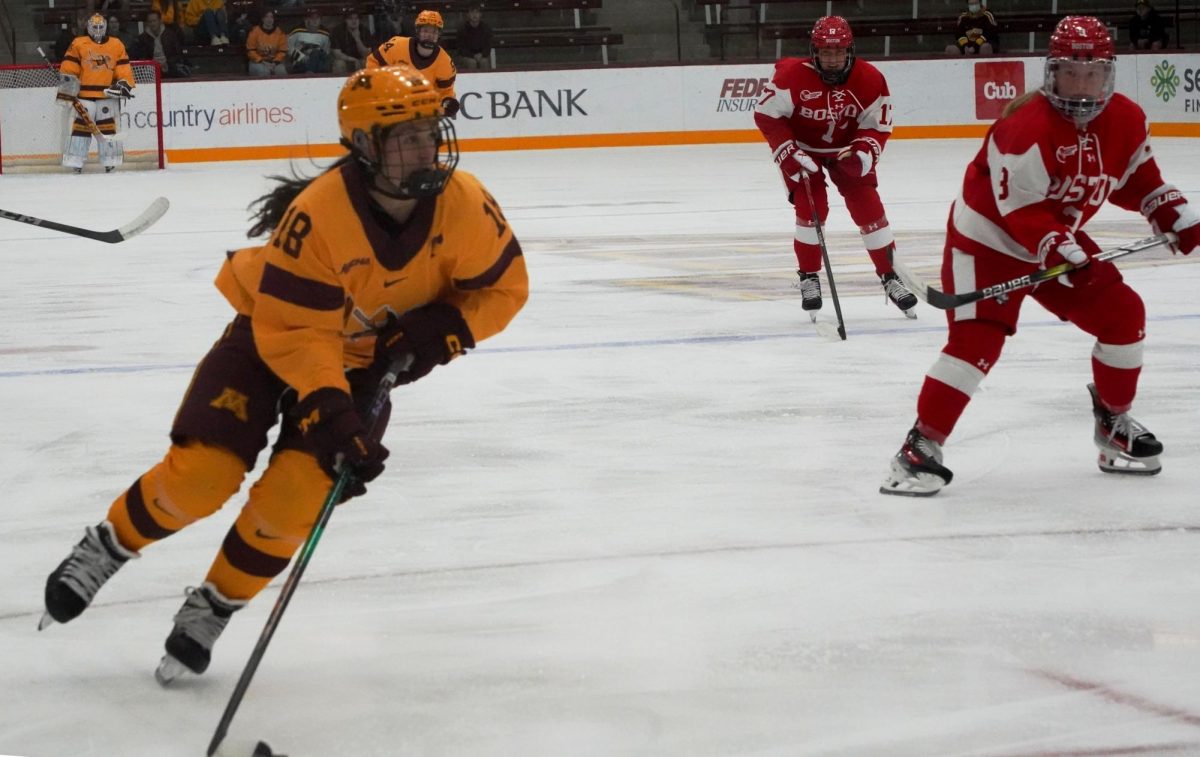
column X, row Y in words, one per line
column 423, row 53
column 391, row 252
column 96, row 72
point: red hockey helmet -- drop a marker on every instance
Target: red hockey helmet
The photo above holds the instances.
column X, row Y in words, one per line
column 1082, row 38
column 832, row 33
column 1080, row 68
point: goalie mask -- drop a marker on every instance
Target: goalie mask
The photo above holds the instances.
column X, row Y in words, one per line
column 97, row 27
column 391, row 120
column 1080, row 68
column 832, row 49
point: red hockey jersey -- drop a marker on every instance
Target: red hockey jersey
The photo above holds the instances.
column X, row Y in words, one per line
column 1037, row 174
column 824, row 118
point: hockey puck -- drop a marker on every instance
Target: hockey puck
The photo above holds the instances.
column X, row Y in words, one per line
column 263, row 749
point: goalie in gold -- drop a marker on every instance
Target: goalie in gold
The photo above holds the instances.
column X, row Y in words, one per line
column 96, row 73
column 391, row 252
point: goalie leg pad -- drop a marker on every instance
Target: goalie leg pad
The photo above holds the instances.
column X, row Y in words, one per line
column 76, row 152
column 108, row 115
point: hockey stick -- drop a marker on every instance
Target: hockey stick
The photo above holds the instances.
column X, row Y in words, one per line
column 944, row 301
column 82, row 113
column 147, row 219
column 306, row 553
column 816, row 216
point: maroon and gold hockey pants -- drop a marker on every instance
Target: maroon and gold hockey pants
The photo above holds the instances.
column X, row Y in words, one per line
column 232, row 403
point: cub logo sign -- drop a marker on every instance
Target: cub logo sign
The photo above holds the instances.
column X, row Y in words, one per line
column 997, row 84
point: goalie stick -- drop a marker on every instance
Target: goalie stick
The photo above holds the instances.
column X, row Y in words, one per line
column 306, row 552
column 144, row 221
column 80, row 111
column 944, row 301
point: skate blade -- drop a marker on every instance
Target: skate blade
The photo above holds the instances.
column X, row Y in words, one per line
column 169, row 670
column 911, row 314
column 901, row 483
column 46, row 621
column 1110, row 462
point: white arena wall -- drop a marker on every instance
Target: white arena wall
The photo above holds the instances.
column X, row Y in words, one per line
column 295, row 117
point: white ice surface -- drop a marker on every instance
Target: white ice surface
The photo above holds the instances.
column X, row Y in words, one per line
column 643, row 520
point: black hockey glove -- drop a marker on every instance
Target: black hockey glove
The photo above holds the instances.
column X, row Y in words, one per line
column 450, row 105
column 121, row 89
column 433, row 334
column 336, row 436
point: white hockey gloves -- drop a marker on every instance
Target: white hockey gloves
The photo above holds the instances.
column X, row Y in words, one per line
column 120, row 89
column 858, row 157
column 794, row 162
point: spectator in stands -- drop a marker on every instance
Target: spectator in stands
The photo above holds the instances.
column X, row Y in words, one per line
column 171, row 12
column 308, row 46
column 208, row 21
column 239, row 28
column 394, row 23
column 161, row 43
column 1147, row 29
column 266, row 47
column 68, row 34
column 978, row 32
column 475, row 40
column 115, row 31
column 350, row 45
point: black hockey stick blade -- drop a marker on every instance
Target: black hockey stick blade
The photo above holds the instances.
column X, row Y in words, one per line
column 144, row 221
column 944, row 301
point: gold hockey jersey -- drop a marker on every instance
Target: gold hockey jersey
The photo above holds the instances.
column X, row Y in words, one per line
column 438, row 68
column 98, row 65
column 331, row 273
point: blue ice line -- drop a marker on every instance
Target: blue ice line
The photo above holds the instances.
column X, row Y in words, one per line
column 804, row 332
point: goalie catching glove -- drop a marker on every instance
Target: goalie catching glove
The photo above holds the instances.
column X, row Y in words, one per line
column 336, row 436
column 432, row 334
column 1169, row 211
column 120, row 89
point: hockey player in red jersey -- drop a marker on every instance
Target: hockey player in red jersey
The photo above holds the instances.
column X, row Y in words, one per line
column 1045, row 168
column 831, row 113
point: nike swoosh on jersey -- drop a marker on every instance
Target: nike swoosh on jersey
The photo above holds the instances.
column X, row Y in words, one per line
column 258, row 532
column 393, row 282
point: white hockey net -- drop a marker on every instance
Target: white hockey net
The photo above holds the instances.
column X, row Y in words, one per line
column 33, row 126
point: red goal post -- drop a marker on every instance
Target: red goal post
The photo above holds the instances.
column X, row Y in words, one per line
column 33, row 127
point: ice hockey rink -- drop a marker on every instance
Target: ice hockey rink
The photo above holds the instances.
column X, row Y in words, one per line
column 645, row 519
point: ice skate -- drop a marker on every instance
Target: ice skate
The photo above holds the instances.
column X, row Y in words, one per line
column 898, row 294
column 198, row 625
column 74, row 583
column 810, row 293
column 917, row 470
column 1125, row 445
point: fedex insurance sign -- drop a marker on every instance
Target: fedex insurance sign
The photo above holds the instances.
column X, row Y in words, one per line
column 996, row 84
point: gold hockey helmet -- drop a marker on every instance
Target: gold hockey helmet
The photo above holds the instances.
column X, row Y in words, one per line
column 429, row 18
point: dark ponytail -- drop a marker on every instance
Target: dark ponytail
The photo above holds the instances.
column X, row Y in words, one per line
column 267, row 211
